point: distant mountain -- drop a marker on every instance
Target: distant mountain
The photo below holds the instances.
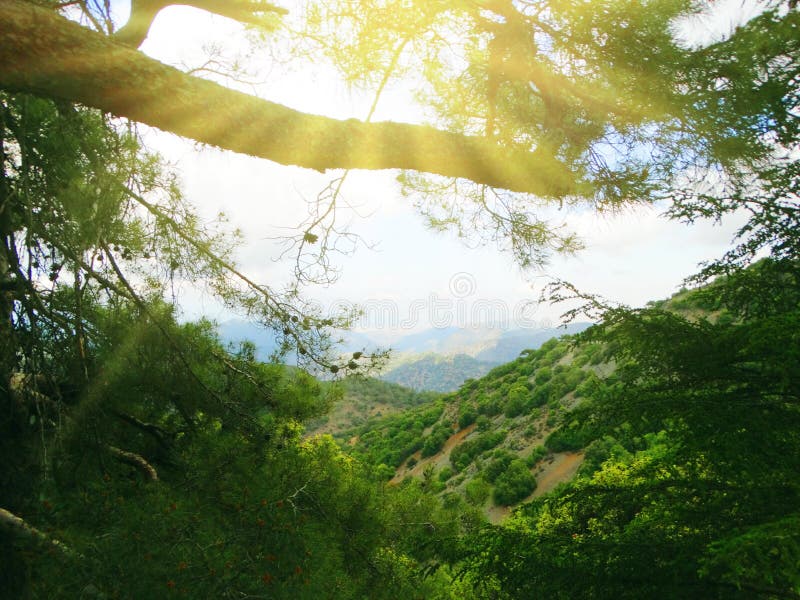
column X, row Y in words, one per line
column 484, row 344
column 236, row 331
column 447, row 340
column 438, row 373
column 511, row 343
column 438, row 359
column 454, row 355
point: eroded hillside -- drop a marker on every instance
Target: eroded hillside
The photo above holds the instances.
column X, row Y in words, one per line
column 502, row 439
column 492, row 441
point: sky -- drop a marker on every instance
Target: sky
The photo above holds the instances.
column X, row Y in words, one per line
column 407, row 277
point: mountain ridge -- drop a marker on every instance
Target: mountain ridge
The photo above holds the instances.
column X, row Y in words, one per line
column 436, row 359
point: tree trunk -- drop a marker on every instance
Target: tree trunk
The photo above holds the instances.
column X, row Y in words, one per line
column 7, row 346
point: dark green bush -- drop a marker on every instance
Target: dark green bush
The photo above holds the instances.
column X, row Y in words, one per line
column 514, row 484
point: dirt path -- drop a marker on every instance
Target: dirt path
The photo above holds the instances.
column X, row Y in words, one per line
column 439, row 459
column 562, row 468
column 495, row 514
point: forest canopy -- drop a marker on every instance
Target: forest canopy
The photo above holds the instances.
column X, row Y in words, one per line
column 579, row 102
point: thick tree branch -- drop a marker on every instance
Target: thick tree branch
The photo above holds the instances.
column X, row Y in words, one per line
column 45, row 54
column 143, row 12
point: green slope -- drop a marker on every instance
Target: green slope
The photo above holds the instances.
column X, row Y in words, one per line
column 438, row 373
column 474, row 442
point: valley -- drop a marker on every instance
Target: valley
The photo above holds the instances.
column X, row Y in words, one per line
column 493, row 433
column 463, row 442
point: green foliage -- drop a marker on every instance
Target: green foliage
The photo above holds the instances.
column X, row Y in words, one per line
column 477, row 491
column 601, row 450
column 501, row 459
column 513, row 484
column 241, row 503
column 435, row 440
column 383, row 472
column 768, row 552
column 569, row 81
column 571, row 437
column 391, row 440
column 483, row 423
column 589, row 387
column 445, row 474
column 235, row 529
column 362, row 396
column 463, row 454
column 467, row 416
column 689, row 400
column 690, row 482
column 538, row 454
column 517, row 400
column 490, row 405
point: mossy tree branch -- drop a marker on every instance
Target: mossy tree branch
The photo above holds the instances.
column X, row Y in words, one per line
column 18, row 528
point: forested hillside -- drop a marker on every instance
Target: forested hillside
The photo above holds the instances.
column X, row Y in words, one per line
column 359, row 399
column 640, row 421
column 679, row 472
column 446, row 371
column 510, row 436
column 437, row 373
column 654, row 455
column 486, row 442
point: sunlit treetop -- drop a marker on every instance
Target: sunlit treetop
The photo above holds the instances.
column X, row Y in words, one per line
column 625, row 94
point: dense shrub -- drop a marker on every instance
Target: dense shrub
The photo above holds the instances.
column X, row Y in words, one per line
column 500, row 461
column 517, row 400
column 534, row 457
column 467, row 416
column 445, row 474
column 483, row 423
column 568, row 438
column 464, row 454
column 514, row 484
column 434, row 442
column 477, row 491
